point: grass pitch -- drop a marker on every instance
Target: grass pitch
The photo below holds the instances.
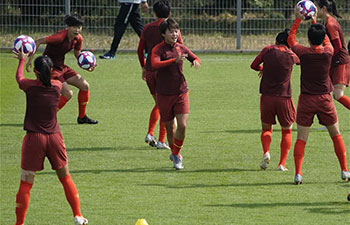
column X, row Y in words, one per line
column 121, row 179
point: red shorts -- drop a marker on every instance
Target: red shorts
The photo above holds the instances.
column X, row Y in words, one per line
column 320, row 105
column 172, row 105
column 38, row 145
column 63, row 74
column 151, row 77
column 340, row 74
column 282, row 107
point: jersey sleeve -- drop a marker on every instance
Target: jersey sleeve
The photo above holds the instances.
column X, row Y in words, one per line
column 79, row 44
column 140, row 51
column 156, row 59
column 258, row 60
column 293, row 32
column 191, row 56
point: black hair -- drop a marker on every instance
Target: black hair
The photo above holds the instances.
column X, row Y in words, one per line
column 330, row 5
column 349, row 47
column 316, row 33
column 73, row 20
column 167, row 25
column 162, row 8
column 43, row 65
column 282, row 37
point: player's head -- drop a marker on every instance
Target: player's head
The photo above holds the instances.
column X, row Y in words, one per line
column 316, row 33
column 282, row 37
column 169, row 30
column 327, row 6
column 162, row 8
column 73, row 20
column 42, row 68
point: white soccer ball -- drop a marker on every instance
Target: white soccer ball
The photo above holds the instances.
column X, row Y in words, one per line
column 306, row 8
column 86, row 60
column 25, row 42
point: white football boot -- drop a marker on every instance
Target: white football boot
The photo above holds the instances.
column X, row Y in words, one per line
column 345, row 175
column 151, row 140
column 282, row 168
column 265, row 161
column 298, row 179
column 162, row 145
column 79, row 220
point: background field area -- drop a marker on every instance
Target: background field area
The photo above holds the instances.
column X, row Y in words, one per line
column 121, row 179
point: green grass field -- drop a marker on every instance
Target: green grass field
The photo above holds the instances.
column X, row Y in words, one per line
column 121, row 179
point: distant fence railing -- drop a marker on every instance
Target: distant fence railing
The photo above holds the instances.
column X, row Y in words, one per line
column 207, row 24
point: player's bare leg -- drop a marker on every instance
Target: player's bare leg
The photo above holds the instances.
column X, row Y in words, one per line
column 338, row 94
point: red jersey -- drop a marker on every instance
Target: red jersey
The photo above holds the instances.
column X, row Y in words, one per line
column 277, row 69
column 42, row 103
column 170, row 77
column 336, row 36
column 58, row 45
column 150, row 37
column 315, row 63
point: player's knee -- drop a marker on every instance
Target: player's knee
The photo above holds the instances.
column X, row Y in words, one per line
column 68, row 94
column 337, row 94
column 85, row 86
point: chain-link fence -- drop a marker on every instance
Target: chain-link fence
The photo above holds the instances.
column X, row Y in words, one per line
column 214, row 25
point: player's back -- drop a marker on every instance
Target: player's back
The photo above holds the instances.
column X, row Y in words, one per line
column 278, row 64
column 42, row 103
column 152, row 36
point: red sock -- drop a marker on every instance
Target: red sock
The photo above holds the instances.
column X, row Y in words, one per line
column 299, row 150
column 153, row 119
column 266, row 139
column 339, row 149
column 286, row 143
column 62, row 102
column 162, row 132
column 71, row 193
column 22, row 201
column 345, row 101
column 83, row 99
column 177, row 146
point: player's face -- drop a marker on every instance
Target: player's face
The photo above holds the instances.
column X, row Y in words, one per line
column 74, row 30
column 171, row 36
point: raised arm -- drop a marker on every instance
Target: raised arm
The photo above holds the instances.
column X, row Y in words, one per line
column 38, row 42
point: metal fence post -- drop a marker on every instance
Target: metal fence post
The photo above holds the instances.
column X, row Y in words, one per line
column 239, row 25
column 67, row 7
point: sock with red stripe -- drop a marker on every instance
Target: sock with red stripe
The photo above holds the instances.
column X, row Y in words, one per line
column 153, row 119
column 345, row 101
column 266, row 140
column 62, row 102
column 22, row 201
column 286, row 143
column 71, row 193
column 299, row 151
column 339, row 149
column 176, row 147
column 83, row 99
column 162, row 132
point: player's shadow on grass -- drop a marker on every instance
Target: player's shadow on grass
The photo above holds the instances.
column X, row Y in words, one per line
column 328, row 208
column 11, row 125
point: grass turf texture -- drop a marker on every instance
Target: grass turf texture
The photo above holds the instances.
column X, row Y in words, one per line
column 121, row 179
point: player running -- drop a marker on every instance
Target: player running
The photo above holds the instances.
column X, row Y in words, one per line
column 171, row 88
column 43, row 137
column 315, row 98
column 57, row 45
column 340, row 68
column 276, row 95
column 149, row 38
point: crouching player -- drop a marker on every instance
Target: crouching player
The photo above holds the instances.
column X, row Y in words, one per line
column 171, row 88
column 57, row 46
column 315, row 98
column 276, row 95
column 43, row 138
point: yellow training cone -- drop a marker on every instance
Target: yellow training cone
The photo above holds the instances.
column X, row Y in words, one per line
column 141, row 222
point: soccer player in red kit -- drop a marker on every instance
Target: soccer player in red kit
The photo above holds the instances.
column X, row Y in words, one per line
column 340, row 68
column 315, row 98
column 149, row 38
column 57, row 45
column 43, row 137
column 276, row 95
column 171, row 88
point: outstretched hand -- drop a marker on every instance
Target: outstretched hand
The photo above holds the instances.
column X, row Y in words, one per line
column 195, row 64
column 20, row 55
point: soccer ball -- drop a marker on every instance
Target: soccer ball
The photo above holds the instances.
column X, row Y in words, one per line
column 86, row 60
column 25, row 42
column 306, row 8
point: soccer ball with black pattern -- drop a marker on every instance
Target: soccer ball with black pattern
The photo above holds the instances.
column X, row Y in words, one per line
column 25, row 42
column 306, row 8
column 86, row 60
